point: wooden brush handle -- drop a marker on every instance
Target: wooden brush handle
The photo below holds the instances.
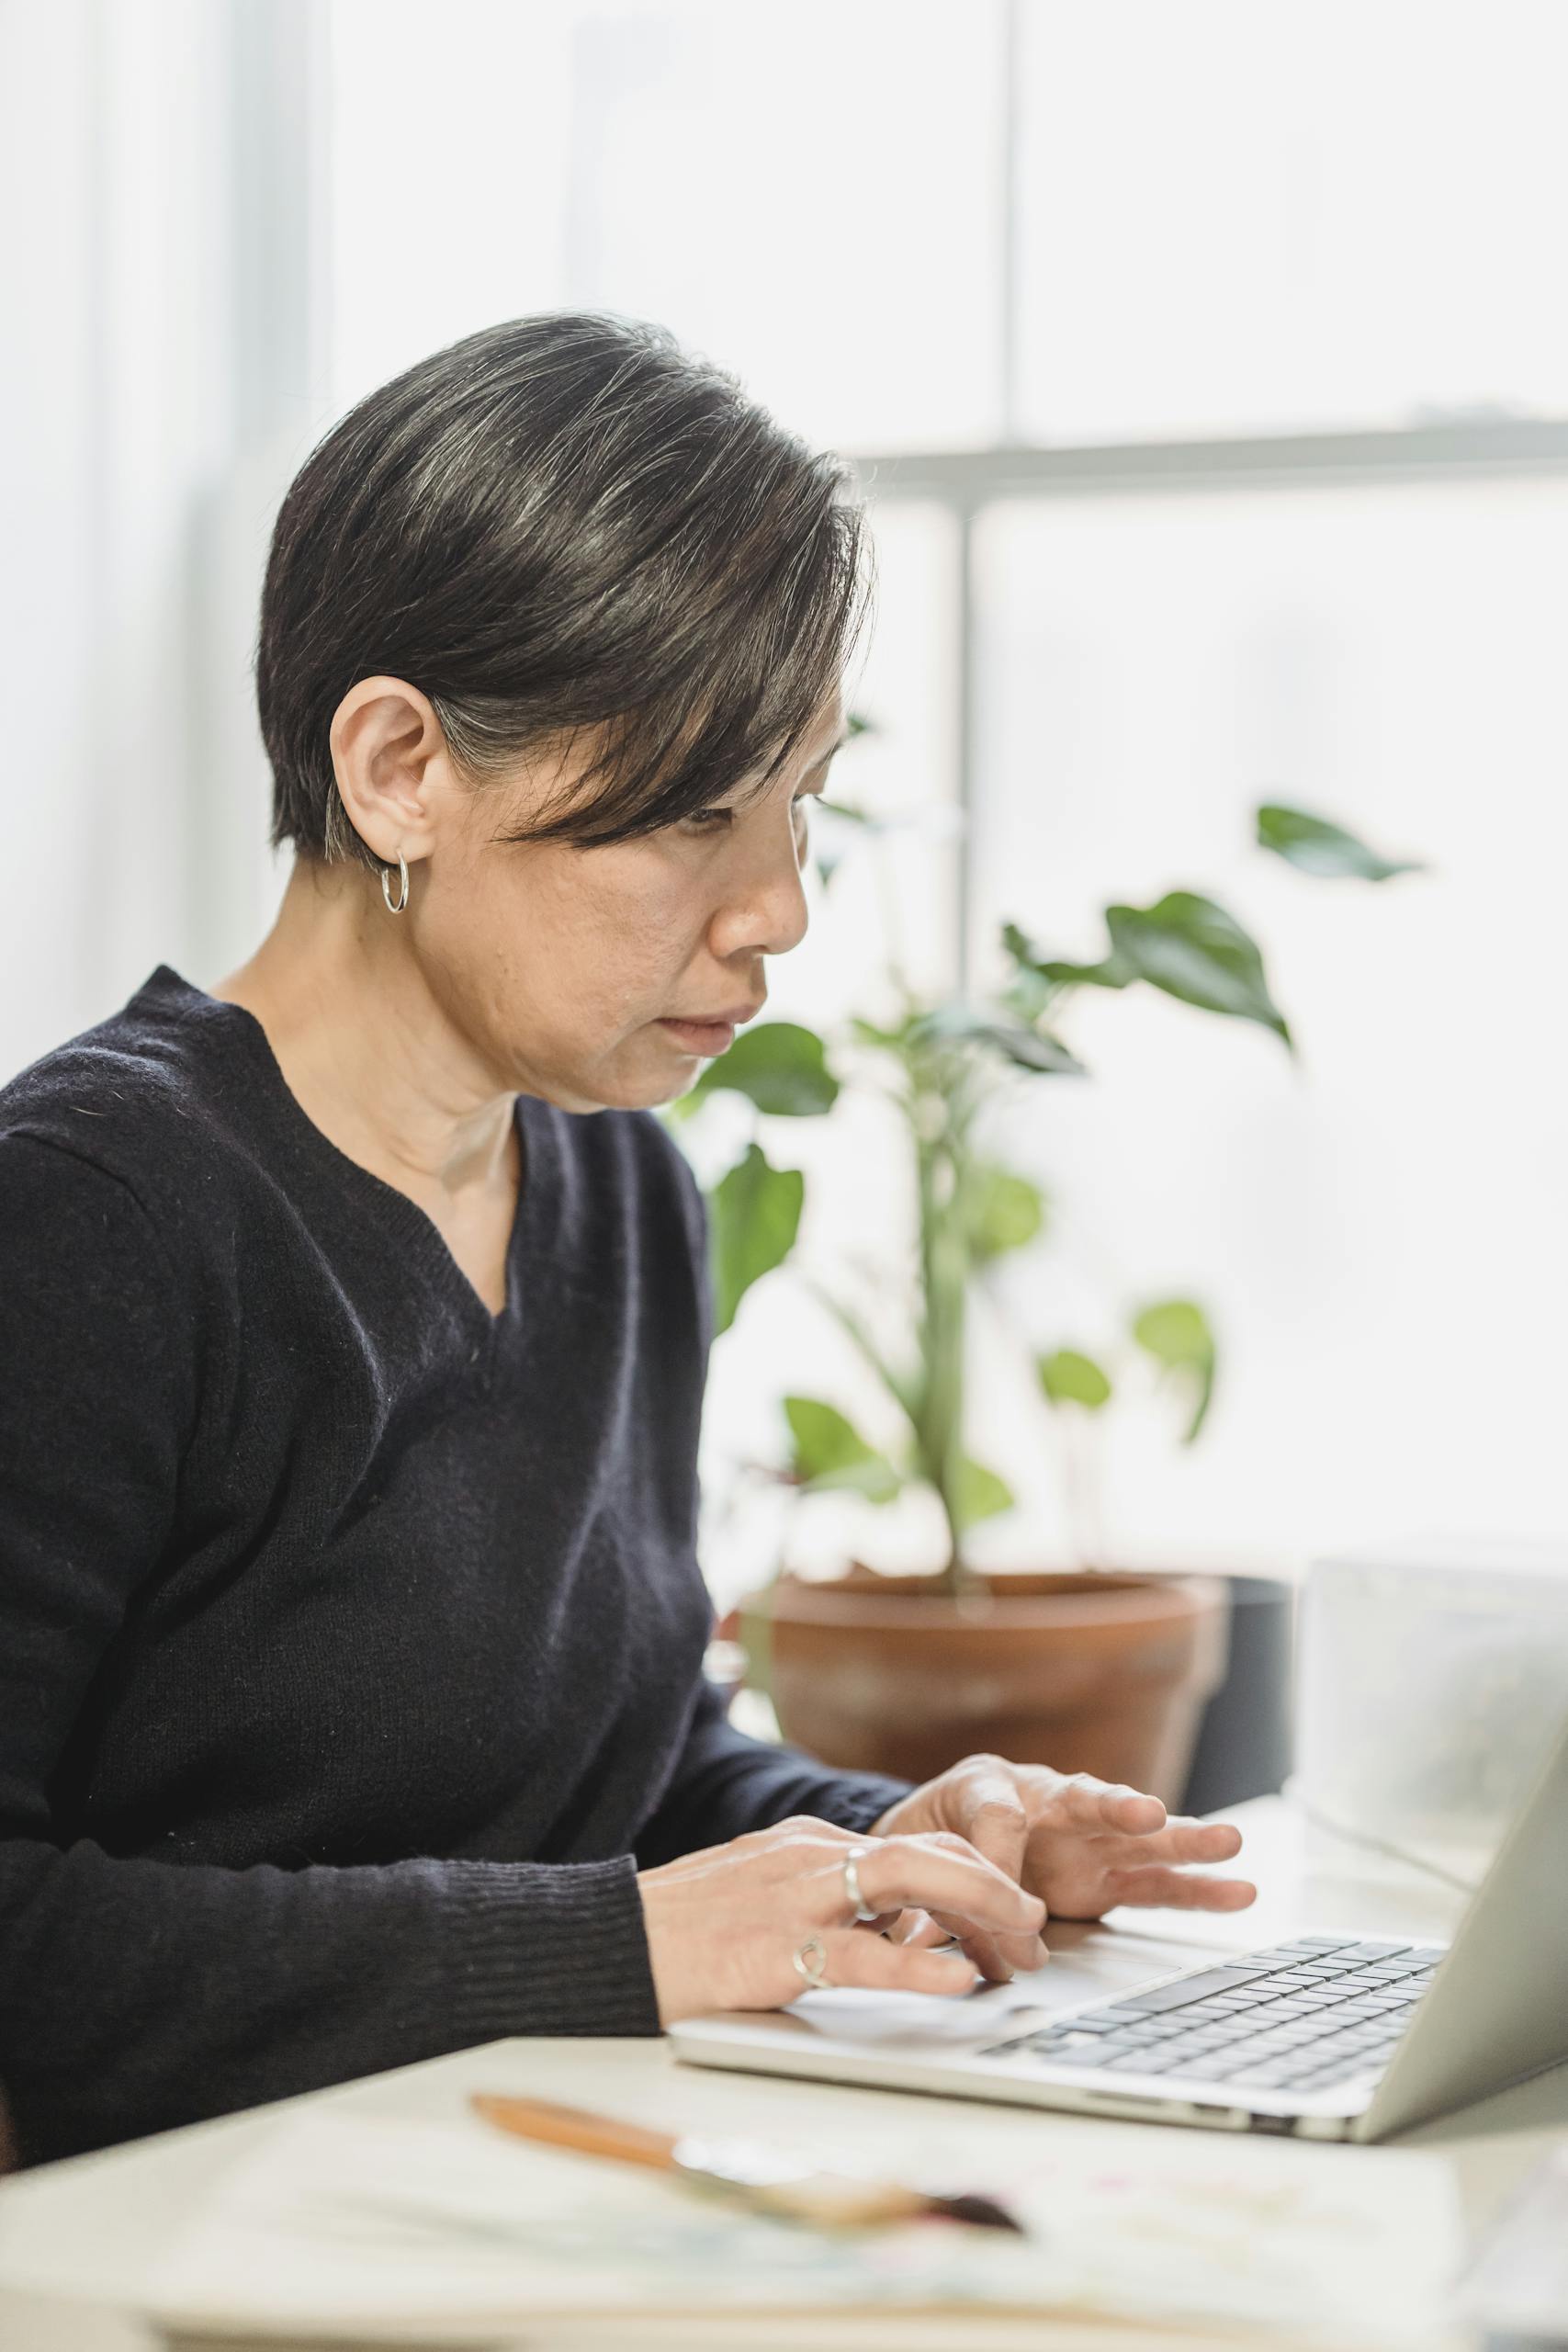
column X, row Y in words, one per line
column 577, row 2127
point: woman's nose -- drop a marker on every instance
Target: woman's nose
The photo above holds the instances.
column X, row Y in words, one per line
column 764, row 912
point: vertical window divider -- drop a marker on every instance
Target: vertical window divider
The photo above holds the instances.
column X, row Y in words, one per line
column 968, row 730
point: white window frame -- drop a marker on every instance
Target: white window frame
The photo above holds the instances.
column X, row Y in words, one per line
column 967, row 482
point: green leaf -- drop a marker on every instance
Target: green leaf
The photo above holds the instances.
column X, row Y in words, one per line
column 781, row 1067
column 1178, row 1334
column 1318, row 847
column 868, row 1034
column 1069, row 1378
column 902, row 1389
column 1005, row 1211
column 1192, row 949
column 966, row 1024
column 753, row 1216
column 979, row 1494
column 831, row 1453
column 1033, row 1049
column 1026, row 998
column 1054, row 974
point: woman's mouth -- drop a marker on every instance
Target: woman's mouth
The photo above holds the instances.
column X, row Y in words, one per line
column 704, row 1038
column 717, row 1033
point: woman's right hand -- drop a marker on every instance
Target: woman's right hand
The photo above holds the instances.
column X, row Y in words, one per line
column 723, row 1924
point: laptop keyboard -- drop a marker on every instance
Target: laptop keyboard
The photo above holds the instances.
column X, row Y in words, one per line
column 1300, row 2016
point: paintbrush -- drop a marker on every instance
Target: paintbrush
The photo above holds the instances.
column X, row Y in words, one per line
column 769, row 2179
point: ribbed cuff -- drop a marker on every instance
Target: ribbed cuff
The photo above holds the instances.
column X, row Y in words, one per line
column 546, row 1947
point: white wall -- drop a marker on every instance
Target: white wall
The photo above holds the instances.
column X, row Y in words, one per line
column 155, row 171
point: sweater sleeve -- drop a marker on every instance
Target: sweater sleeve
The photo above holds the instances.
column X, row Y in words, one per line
column 136, row 1994
column 726, row 1783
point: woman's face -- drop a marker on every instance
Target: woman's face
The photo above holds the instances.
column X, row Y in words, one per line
column 563, row 967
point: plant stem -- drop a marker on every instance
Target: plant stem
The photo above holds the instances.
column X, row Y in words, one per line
column 939, row 1107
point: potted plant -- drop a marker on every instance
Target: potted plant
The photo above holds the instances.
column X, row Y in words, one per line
column 1092, row 1669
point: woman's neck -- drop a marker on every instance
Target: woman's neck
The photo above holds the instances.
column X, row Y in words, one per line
column 366, row 1049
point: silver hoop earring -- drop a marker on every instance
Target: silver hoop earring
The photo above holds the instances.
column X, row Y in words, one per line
column 403, row 886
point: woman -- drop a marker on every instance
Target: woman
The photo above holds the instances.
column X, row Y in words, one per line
column 354, row 1319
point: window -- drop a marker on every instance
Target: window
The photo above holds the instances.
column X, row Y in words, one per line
column 1378, row 1232
column 1234, row 219
column 1208, row 375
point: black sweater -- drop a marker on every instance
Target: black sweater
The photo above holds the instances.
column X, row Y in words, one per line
column 350, row 1637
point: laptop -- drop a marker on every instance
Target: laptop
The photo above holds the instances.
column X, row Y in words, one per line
column 1329, row 2037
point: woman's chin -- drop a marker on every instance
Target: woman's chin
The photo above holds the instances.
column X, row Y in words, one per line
column 641, row 1082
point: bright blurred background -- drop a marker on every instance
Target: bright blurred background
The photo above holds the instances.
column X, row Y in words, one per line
column 1206, row 367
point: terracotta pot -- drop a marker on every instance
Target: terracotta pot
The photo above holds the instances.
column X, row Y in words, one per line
column 1104, row 1672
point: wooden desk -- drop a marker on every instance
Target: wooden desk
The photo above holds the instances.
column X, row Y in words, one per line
column 77, row 2238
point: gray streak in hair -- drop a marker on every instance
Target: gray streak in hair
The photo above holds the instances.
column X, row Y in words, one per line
column 564, row 526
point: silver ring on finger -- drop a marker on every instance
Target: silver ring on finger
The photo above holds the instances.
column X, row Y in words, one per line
column 858, row 1904
column 811, row 1961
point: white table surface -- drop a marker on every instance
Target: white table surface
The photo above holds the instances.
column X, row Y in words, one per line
column 78, row 2238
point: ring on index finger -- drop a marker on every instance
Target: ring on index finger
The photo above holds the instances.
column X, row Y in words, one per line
column 858, row 1904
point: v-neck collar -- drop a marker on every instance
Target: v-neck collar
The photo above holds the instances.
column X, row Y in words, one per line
column 402, row 1215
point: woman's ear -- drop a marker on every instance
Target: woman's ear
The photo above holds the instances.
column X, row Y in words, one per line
column 391, row 761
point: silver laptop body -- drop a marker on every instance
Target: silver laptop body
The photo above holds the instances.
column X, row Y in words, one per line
column 1333, row 2037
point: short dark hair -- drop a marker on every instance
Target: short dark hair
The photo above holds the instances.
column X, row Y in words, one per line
column 563, row 522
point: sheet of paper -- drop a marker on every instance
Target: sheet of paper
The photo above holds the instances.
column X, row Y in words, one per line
column 339, row 2224
column 1519, row 2283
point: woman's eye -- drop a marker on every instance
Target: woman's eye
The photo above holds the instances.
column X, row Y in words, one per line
column 708, row 821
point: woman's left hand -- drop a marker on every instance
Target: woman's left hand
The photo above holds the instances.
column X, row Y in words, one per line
column 1082, row 1845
